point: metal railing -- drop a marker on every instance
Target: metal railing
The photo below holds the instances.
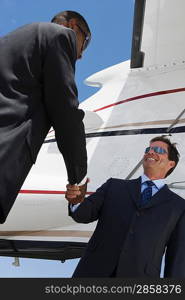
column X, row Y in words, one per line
column 168, row 133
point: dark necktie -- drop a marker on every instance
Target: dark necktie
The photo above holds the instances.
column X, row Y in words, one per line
column 147, row 193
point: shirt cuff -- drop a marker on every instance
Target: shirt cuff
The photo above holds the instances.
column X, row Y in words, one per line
column 74, row 207
column 83, row 181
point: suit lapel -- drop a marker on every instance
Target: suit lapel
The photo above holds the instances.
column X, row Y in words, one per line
column 134, row 187
column 161, row 196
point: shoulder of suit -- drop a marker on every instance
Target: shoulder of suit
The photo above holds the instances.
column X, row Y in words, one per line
column 123, row 181
column 177, row 198
column 47, row 30
column 55, row 29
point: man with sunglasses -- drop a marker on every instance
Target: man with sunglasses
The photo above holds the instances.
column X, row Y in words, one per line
column 78, row 24
column 138, row 220
column 37, row 92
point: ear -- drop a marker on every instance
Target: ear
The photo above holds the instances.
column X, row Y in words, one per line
column 71, row 23
column 172, row 164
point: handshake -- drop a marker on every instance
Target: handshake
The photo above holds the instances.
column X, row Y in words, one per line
column 75, row 194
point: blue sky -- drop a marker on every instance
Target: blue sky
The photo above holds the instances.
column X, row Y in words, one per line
column 111, row 24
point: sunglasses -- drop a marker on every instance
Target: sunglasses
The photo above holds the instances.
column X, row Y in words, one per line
column 156, row 149
column 87, row 38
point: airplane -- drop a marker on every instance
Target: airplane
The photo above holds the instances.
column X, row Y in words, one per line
column 137, row 100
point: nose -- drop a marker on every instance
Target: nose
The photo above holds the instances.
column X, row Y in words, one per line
column 151, row 150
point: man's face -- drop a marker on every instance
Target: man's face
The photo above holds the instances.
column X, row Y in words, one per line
column 157, row 164
column 82, row 37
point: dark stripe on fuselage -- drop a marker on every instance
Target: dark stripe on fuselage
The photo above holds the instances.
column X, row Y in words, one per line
column 162, row 130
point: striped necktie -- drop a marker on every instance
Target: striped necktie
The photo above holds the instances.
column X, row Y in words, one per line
column 147, row 193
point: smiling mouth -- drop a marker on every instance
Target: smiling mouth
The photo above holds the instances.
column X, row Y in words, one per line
column 150, row 159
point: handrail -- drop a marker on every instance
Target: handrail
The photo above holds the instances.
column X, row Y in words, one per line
column 174, row 186
column 168, row 131
column 175, row 121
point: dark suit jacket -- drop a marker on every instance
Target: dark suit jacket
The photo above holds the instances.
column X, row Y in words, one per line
column 37, row 91
column 130, row 239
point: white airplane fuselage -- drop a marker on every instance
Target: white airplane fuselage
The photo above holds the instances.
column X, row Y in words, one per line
column 131, row 107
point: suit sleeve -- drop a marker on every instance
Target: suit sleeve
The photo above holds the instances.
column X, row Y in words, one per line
column 175, row 253
column 60, row 96
column 90, row 209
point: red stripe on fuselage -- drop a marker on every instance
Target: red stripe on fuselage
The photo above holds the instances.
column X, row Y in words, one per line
column 142, row 96
column 45, row 192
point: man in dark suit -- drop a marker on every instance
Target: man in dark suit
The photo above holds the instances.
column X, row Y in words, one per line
column 37, row 91
column 138, row 220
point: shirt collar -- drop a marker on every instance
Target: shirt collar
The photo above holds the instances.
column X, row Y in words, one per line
column 159, row 183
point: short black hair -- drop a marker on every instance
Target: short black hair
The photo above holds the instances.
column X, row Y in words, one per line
column 173, row 153
column 68, row 15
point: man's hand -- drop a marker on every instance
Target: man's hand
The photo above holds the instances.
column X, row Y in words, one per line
column 75, row 194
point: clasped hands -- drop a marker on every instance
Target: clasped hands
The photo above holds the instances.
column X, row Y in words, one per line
column 75, row 194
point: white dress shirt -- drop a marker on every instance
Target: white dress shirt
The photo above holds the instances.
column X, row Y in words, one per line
column 158, row 184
